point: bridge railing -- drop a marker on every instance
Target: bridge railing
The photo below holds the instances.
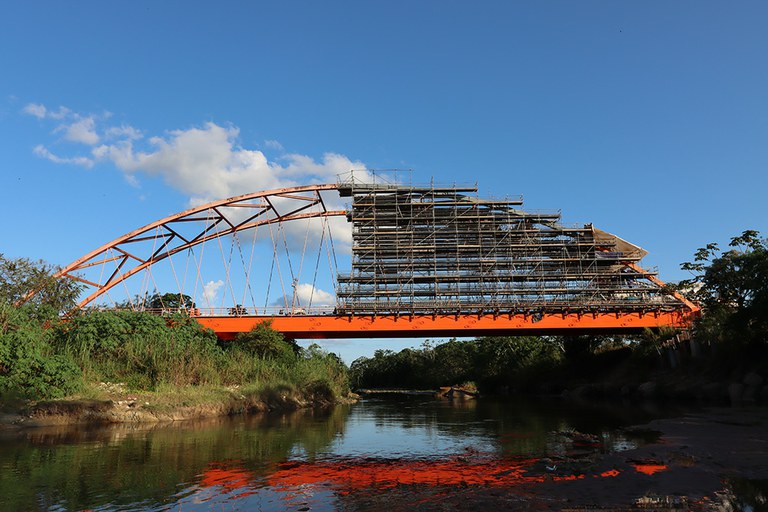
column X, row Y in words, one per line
column 535, row 304
column 228, row 311
column 265, row 311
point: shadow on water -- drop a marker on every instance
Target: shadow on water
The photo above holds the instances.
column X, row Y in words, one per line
column 398, row 452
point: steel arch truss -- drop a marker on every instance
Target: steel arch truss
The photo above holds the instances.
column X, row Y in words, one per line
column 138, row 250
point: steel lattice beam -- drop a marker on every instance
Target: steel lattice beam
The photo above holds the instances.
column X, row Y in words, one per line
column 213, row 224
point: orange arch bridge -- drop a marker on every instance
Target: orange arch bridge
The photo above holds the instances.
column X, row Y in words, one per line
column 423, row 262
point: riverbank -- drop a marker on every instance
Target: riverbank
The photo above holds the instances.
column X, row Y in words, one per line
column 711, row 460
column 112, row 403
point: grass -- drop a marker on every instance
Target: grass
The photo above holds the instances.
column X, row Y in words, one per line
column 164, row 364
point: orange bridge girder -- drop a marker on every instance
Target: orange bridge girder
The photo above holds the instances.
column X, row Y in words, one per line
column 448, row 325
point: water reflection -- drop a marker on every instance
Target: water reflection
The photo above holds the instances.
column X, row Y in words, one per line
column 149, row 467
column 313, row 460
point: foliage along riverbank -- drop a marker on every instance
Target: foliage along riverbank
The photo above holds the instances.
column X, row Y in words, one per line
column 131, row 366
column 598, row 368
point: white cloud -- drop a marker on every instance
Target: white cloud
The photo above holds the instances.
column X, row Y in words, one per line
column 35, row 109
column 40, row 111
column 205, row 163
column 211, row 291
column 80, row 128
column 62, row 113
column 273, row 144
column 43, row 152
column 123, row 131
column 83, row 131
column 307, row 296
column 132, row 180
column 331, row 166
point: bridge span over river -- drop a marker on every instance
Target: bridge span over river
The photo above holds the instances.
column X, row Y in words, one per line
column 380, row 259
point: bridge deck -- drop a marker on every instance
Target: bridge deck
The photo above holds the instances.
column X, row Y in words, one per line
column 422, row 326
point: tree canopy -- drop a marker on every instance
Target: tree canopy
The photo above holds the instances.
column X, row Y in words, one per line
column 732, row 286
column 171, row 301
column 21, row 276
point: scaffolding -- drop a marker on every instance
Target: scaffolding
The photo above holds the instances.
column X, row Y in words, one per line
column 444, row 250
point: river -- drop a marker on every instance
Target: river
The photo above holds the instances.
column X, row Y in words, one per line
column 393, row 453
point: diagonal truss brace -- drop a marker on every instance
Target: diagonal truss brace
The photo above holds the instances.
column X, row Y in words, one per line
column 214, row 223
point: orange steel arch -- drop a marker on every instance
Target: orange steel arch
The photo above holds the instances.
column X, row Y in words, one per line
column 261, row 213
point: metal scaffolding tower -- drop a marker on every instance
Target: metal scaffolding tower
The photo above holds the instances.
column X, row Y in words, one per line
column 443, row 250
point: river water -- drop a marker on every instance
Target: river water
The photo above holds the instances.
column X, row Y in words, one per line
column 383, row 453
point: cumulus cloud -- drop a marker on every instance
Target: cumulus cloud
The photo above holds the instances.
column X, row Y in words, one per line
column 73, row 127
column 123, row 132
column 82, row 130
column 40, row 111
column 307, row 295
column 205, row 162
column 43, row 152
column 36, row 110
column 211, row 290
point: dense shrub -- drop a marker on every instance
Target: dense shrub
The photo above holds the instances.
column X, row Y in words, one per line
column 29, row 367
column 42, row 356
column 36, row 376
column 141, row 349
column 265, row 343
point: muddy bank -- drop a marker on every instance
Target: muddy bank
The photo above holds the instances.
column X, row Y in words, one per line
column 697, row 463
column 750, row 388
column 713, row 460
column 148, row 408
column 715, row 379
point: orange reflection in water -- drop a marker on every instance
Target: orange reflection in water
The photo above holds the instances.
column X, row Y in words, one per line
column 348, row 475
column 227, row 478
column 356, row 474
column 650, row 469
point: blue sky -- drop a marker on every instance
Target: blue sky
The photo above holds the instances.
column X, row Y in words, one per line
column 648, row 119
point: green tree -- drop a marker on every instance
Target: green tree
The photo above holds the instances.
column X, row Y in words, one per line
column 33, row 282
column 31, row 299
column 489, row 361
column 266, row 343
column 502, row 360
column 454, row 363
column 29, row 367
column 171, row 301
column 732, row 287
